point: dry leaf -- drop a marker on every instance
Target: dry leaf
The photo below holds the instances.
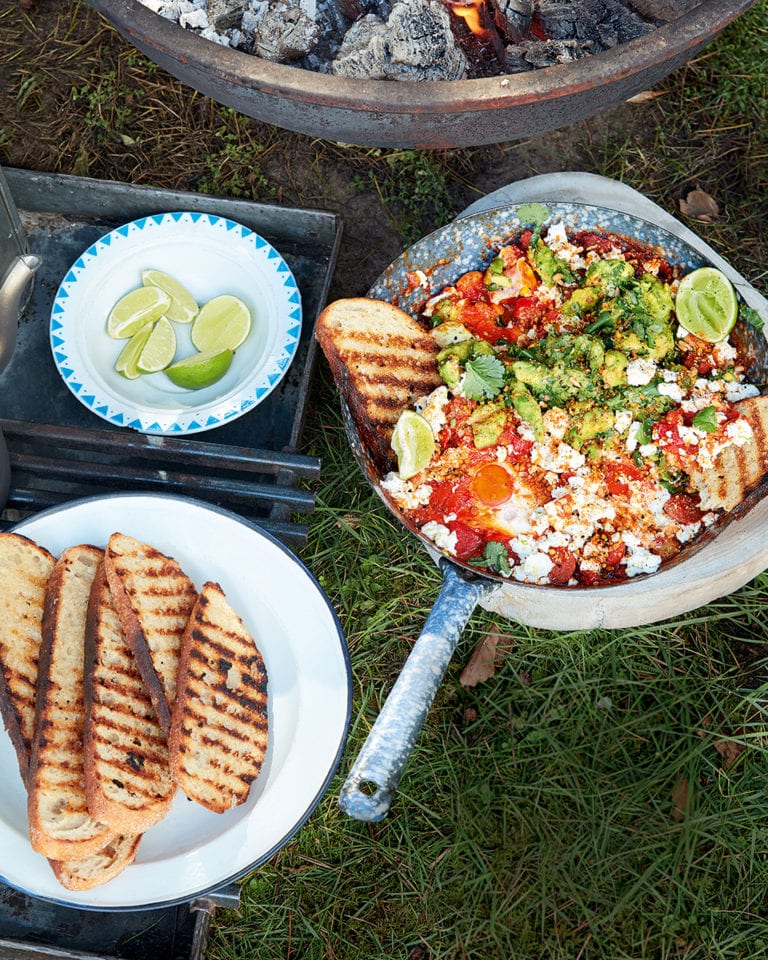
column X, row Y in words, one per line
column 680, row 798
column 729, row 751
column 700, row 205
column 645, row 96
column 482, row 661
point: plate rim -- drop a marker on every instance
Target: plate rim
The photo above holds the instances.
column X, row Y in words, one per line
column 334, row 762
column 182, row 423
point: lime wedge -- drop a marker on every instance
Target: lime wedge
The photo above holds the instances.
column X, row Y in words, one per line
column 413, row 443
column 183, row 307
column 222, row 324
column 131, row 312
column 200, row 370
column 706, row 304
column 160, row 348
column 127, row 362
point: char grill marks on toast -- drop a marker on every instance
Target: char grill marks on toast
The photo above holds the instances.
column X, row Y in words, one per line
column 219, row 730
column 154, row 598
column 127, row 777
column 738, row 470
column 60, row 823
column 24, row 571
column 382, row 360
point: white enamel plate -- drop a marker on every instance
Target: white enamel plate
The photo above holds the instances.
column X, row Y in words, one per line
column 193, row 851
column 210, row 255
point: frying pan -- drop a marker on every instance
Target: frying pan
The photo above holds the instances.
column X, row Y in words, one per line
column 725, row 558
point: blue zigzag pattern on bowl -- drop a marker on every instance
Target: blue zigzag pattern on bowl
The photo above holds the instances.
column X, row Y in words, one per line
column 103, row 408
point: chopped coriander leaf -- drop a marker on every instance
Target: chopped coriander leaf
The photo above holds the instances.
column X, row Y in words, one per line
column 706, row 420
column 494, row 558
column 752, row 317
column 483, row 377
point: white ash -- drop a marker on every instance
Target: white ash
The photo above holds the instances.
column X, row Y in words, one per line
column 414, row 43
column 408, row 39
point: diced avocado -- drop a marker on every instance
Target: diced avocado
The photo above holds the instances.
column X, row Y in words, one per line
column 487, row 422
column 451, row 359
column 590, row 424
column 656, row 298
column 615, row 367
column 583, row 300
column 574, row 349
column 661, row 340
column 548, row 265
column 450, row 332
column 445, row 311
column 608, row 274
column 627, row 341
column 555, row 385
column 528, row 408
column 533, row 374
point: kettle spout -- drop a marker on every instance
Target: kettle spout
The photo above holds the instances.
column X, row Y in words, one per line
column 12, row 291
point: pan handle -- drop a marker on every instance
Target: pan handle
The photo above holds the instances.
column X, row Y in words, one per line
column 384, row 754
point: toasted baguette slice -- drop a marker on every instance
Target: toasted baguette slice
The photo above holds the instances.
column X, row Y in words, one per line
column 153, row 597
column 219, row 730
column 128, row 780
column 60, row 825
column 382, row 360
column 24, row 571
column 738, row 469
column 100, row 867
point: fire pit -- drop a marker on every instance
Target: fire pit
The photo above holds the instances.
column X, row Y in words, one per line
column 426, row 113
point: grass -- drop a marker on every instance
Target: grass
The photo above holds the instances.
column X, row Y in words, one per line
column 602, row 796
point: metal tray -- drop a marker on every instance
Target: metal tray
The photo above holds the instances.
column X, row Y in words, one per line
column 251, row 465
column 60, row 450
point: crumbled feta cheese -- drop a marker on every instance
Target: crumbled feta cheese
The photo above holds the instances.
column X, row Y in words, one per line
column 671, row 390
column 634, row 429
column 639, row 560
column 432, row 408
column 622, row 421
column 534, row 569
column 405, row 495
column 724, row 353
column 648, row 450
column 640, row 372
column 740, row 391
column 441, row 536
column 739, row 431
column 557, row 458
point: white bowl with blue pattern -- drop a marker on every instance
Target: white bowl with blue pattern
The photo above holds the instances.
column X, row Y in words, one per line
column 210, row 255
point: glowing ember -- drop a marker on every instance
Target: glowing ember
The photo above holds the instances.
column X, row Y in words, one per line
column 480, row 37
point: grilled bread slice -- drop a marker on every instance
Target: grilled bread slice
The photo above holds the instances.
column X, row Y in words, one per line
column 738, row 469
column 153, row 597
column 382, row 360
column 24, row 571
column 60, row 825
column 128, row 780
column 219, row 730
column 100, row 867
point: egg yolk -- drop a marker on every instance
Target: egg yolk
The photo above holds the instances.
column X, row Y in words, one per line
column 492, row 484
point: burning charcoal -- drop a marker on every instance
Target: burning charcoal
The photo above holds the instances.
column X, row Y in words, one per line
column 535, row 54
column 513, row 18
column 477, row 34
column 662, row 11
column 606, row 22
column 285, row 33
column 414, row 43
column 354, row 9
column 224, row 13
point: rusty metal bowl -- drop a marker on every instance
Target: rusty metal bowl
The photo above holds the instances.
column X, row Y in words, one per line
column 428, row 114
